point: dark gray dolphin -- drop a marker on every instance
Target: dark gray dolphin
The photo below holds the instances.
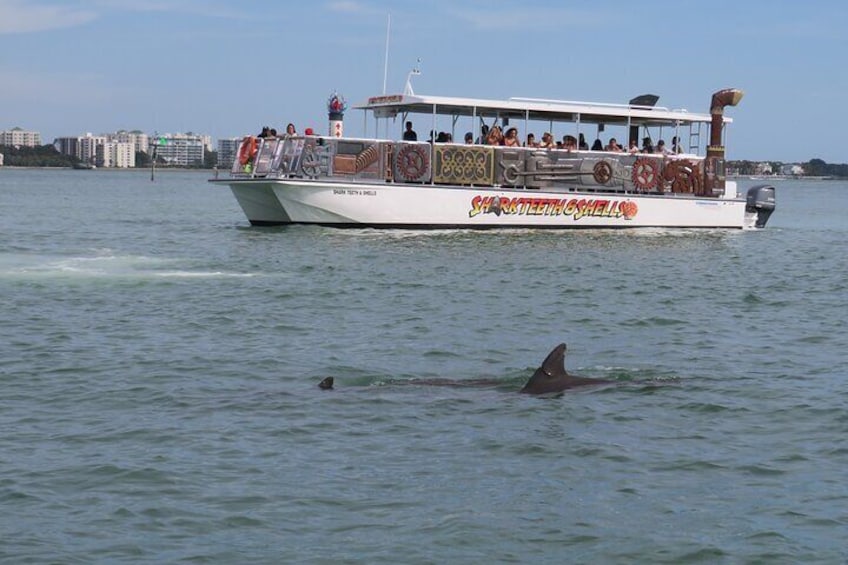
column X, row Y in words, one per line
column 552, row 376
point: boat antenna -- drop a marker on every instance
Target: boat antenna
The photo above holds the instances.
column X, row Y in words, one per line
column 386, row 64
column 414, row 72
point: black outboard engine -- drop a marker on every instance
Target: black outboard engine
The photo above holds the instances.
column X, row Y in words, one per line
column 760, row 202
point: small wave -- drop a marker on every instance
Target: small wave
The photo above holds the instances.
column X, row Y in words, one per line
column 103, row 263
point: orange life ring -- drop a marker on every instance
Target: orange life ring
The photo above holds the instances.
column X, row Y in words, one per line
column 247, row 150
column 412, row 162
column 645, row 173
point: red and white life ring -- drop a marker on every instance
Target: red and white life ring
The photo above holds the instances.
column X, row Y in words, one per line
column 247, row 150
column 645, row 173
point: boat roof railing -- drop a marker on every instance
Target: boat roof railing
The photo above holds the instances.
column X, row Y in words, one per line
column 389, row 106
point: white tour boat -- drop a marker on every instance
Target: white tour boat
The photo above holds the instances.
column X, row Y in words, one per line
column 375, row 182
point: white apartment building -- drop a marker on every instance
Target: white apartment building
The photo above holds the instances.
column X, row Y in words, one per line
column 140, row 139
column 87, row 147
column 181, row 149
column 117, row 154
column 20, row 138
column 227, row 149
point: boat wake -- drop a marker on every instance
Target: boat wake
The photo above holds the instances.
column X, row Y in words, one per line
column 105, row 264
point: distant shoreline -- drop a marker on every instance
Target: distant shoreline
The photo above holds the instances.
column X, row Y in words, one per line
column 122, row 169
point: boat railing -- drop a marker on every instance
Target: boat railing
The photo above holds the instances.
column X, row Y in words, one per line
column 450, row 164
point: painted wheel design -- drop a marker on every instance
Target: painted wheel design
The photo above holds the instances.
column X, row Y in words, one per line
column 683, row 177
column 309, row 164
column 412, row 162
column 645, row 173
column 602, row 172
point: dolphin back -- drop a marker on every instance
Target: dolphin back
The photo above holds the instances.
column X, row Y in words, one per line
column 552, row 376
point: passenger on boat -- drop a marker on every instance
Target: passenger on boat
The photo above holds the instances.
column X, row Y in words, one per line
column 547, row 141
column 613, row 146
column 469, row 138
column 647, row 145
column 266, row 132
column 511, row 138
column 442, row 137
column 583, row 145
column 290, row 130
column 634, row 147
column 484, row 132
column 661, row 148
column 569, row 142
column 409, row 134
column 495, row 136
column 272, row 132
column 675, row 145
column 531, row 141
column 597, row 145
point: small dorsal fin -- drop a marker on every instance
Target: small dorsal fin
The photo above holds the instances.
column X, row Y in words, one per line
column 554, row 363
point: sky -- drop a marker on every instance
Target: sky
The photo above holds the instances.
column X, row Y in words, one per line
column 227, row 68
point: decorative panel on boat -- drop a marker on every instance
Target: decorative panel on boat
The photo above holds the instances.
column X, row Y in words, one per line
column 464, row 164
column 315, row 159
column 683, row 176
column 509, row 166
column 363, row 159
column 606, row 171
column 412, row 162
column 546, row 168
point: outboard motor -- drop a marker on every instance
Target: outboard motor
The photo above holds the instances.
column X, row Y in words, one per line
column 760, row 202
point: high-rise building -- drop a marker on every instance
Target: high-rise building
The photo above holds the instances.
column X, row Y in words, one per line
column 181, row 149
column 87, row 147
column 227, row 149
column 140, row 139
column 20, row 138
column 116, row 154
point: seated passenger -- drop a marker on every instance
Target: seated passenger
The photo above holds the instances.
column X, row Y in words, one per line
column 511, row 138
column 647, row 145
column 569, row 143
column 583, row 145
column 547, row 141
column 484, row 133
column 469, row 138
column 531, row 141
column 612, row 146
column 597, row 146
column 441, row 137
column 675, row 145
column 290, row 130
column 634, row 147
column 495, row 136
column 661, row 148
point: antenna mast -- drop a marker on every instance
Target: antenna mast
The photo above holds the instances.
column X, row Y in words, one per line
column 386, row 65
column 414, row 72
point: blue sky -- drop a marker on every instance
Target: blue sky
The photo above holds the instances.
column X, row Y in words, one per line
column 226, row 68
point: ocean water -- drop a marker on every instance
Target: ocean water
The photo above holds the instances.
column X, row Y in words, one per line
column 159, row 362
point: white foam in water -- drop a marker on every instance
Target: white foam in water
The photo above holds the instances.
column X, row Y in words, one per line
column 102, row 263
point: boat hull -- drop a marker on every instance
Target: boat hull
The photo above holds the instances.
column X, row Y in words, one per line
column 282, row 201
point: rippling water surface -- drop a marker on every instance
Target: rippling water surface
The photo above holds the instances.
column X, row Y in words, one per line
column 159, row 362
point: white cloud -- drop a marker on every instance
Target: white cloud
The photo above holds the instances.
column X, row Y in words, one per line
column 19, row 16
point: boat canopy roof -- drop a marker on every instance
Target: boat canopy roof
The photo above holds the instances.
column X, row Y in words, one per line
column 389, row 106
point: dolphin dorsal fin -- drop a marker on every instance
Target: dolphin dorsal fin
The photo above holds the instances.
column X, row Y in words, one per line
column 554, row 363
